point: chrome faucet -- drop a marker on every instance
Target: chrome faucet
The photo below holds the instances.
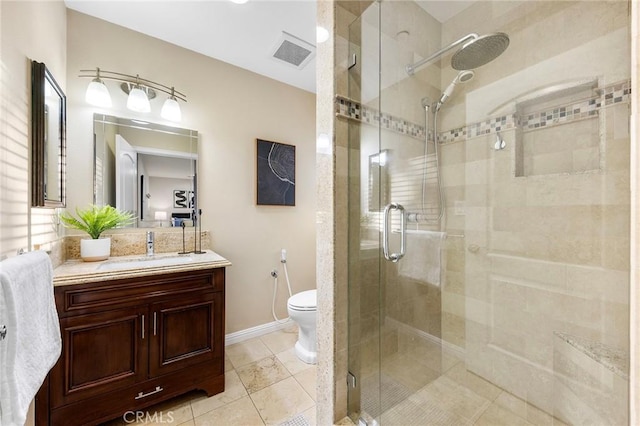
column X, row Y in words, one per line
column 149, row 243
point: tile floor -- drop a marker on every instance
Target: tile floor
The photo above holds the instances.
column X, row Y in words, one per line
column 265, row 384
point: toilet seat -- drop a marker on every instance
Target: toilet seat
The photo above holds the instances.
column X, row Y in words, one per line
column 303, row 301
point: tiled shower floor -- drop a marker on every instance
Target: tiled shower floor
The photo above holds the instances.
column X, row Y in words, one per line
column 454, row 397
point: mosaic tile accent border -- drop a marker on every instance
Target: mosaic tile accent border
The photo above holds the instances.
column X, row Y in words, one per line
column 491, row 125
column 612, row 94
column 560, row 114
column 350, row 109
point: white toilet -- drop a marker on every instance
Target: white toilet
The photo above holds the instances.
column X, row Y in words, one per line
column 302, row 309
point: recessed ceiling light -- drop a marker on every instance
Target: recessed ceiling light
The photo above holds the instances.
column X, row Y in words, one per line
column 322, row 34
column 239, row 1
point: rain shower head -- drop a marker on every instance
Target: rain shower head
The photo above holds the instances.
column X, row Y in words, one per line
column 475, row 52
column 461, row 77
column 480, row 51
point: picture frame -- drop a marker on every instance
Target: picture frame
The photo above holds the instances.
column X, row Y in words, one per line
column 183, row 199
column 275, row 173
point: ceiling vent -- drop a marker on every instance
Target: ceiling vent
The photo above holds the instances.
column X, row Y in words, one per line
column 293, row 51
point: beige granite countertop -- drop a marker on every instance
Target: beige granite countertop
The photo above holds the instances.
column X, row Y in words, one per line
column 116, row 267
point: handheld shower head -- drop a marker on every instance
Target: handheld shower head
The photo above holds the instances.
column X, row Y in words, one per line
column 462, row 77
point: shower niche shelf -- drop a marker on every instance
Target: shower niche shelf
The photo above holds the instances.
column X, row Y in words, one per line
column 559, row 129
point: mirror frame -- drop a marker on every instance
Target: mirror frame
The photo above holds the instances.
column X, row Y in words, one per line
column 40, row 75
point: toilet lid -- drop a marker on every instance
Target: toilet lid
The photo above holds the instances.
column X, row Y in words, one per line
column 305, row 300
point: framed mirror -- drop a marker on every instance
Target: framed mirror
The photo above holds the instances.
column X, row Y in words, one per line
column 48, row 138
column 147, row 169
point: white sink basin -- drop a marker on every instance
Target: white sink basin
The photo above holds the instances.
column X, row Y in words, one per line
column 146, row 262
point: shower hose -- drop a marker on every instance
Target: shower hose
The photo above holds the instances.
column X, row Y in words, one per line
column 424, row 169
column 274, row 274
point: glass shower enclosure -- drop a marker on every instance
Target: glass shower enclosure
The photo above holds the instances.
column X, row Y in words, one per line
column 489, row 213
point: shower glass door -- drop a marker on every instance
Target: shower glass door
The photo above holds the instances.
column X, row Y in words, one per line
column 509, row 303
column 366, row 200
column 395, row 266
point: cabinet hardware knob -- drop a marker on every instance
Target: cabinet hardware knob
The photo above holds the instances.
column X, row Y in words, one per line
column 144, row 395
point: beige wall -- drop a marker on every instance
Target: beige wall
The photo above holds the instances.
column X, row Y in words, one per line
column 30, row 31
column 230, row 108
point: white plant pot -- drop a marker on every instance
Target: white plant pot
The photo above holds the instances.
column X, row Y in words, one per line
column 93, row 250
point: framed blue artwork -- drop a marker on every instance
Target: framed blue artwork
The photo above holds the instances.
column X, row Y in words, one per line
column 276, row 174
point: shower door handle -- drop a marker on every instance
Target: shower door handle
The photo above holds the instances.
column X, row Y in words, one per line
column 394, row 257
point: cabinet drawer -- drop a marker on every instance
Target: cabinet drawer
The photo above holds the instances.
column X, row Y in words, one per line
column 82, row 298
column 114, row 405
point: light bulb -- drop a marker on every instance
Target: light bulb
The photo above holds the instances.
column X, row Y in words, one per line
column 98, row 94
column 322, row 34
column 138, row 101
column 171, row 110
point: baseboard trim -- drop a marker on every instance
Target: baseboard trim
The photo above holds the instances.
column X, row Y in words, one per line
column 257, row 331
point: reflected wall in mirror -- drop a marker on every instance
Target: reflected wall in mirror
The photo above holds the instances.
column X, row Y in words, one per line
column 378, row 181
column 48, row 138
column 147, row 169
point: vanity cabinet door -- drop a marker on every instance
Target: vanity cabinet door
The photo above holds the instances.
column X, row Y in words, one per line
column 187, row 331
column 100, row 352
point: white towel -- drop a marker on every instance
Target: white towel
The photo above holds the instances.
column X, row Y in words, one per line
column 30, row 341
column 424, row 258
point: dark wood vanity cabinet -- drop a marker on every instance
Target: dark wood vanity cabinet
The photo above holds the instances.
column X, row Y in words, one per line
column 131, row 343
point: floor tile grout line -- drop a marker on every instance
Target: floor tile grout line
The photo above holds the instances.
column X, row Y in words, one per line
column 305, row 391
column 256, row 408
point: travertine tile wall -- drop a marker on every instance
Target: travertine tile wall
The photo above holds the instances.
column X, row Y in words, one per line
column 552, row 249
column 501, row 215
column 328, row 383
column 634, row 388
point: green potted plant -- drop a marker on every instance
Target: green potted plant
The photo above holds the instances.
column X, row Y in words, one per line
column 94, row 221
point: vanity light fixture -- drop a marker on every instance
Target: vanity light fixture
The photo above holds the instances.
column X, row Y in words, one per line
column 97, row 93
column 140, row 91
column 137, row 99
column 171, row 108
